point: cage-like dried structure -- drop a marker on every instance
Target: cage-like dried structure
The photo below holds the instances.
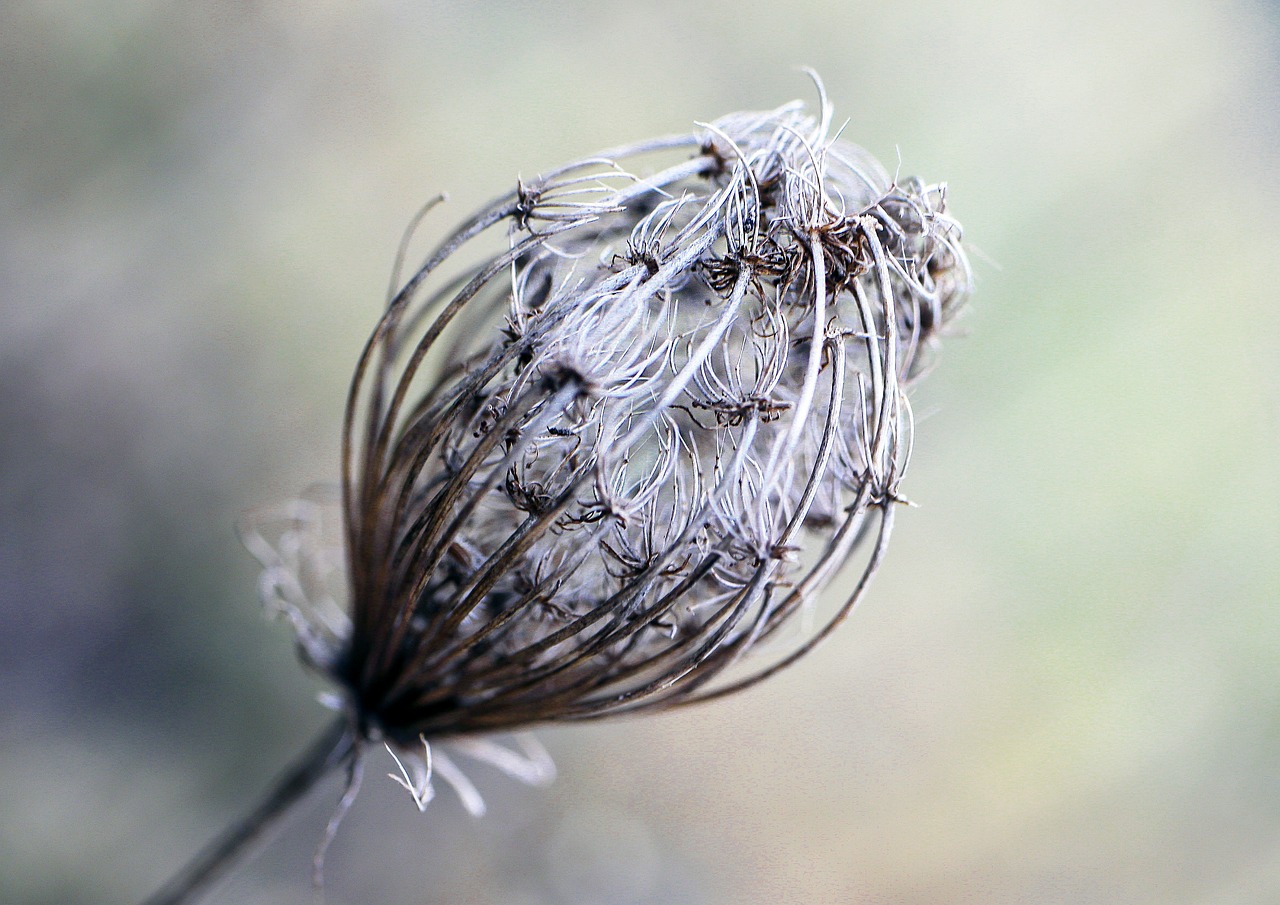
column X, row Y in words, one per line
column 620, row 427
column 588, row 470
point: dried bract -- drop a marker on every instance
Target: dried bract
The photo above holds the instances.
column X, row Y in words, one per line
column 590, row 464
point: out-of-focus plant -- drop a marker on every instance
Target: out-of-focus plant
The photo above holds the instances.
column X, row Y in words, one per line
column 617, row 430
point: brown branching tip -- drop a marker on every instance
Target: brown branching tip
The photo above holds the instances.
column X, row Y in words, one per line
column 618, row 429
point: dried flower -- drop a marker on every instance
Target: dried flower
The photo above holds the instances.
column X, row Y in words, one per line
column 590, row 464
column 652, row 428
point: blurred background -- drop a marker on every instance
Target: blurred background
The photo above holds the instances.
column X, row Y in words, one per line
column 1063, row 686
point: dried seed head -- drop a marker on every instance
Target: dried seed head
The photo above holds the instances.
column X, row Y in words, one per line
column 659, row 415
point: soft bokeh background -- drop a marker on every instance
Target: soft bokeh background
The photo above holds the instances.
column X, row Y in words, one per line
column 1063, row 687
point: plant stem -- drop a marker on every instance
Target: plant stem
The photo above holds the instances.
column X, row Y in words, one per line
column 333, row 748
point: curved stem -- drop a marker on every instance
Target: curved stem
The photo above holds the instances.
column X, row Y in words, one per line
column 333, row 748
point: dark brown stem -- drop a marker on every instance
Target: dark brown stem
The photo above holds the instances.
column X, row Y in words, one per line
column 334, row 747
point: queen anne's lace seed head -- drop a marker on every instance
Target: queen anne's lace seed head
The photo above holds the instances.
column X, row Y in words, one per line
column 586, row 469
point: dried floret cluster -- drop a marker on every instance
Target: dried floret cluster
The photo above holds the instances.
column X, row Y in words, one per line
column 586, row 472
column 618, row 429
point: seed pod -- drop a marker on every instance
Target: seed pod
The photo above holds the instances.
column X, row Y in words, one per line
column 615, row 432
column 590, row 464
